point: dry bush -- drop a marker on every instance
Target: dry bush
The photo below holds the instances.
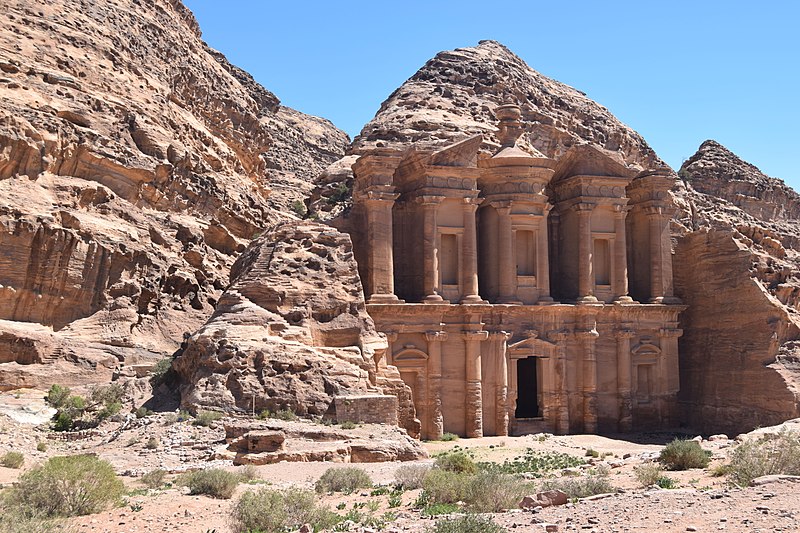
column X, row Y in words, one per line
column 648, row 474
column 581, row 486
column 12, row 460
column 214, row 482
column 467, row 524
column 206, row 418
column 410, row 477
column 770, row 454
column 484, row 492
column 154, row 478
column 345, row 479
column 66, row 486
column 456, row 462
column 684, row 454
column 274, row 511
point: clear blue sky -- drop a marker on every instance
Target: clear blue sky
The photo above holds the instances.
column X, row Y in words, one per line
column 678, row 72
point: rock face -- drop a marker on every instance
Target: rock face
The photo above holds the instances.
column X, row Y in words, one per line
column 291, row 332
column 736, row 265
column 135, row 163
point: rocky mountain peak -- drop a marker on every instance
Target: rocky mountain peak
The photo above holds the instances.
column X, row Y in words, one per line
column 456, row 92
column 716, row 171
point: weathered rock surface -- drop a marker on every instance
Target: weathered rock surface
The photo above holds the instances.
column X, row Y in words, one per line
column 135, row 163
column 291, row 331
column 736, row 266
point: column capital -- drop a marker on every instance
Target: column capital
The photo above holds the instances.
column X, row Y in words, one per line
column 587, row 334
column 475, row 335
column 472, row 202
column 436, row 336
column 670, row 332
column 499, row 335
column 620, row 210
column 584, row 207
column 377, row 196
column 624, row 333
column 429, row 200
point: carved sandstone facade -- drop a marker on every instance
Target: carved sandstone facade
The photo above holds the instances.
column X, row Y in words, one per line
column 519, row 293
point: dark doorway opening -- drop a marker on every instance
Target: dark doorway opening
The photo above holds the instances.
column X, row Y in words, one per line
column 527, row 393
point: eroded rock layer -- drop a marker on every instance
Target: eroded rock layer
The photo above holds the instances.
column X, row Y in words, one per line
column 291, row 332
column 135, row 164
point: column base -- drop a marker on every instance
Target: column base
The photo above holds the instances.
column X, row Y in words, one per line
column 545, row 300
column 473, row 299
column 384, row 299
column 434, row 299
column 624, row 299
column 509, row 300
column 590, row 299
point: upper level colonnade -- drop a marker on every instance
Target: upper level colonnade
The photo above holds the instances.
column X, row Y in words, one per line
column 456, row 225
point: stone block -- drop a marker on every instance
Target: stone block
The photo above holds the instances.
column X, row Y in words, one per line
column 367, row 408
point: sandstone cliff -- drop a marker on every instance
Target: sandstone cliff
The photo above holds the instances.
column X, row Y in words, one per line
column 135, row 164
column 736, row 266
column 291, row 332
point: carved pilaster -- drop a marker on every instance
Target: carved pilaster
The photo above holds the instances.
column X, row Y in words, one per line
column 505, row 251
column 469, row 253
column 589, row 379
column 500, row 338
column 430, row 251
column 561, row 396
column 474, row 397
column 378, row 205
column 620, row 279
column 585, row 266
column 624, row 368
column 436, row 420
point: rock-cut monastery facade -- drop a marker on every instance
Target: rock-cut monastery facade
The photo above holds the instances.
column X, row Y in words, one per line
column 520, row 293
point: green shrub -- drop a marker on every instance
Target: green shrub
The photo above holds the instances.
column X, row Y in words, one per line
column 666, row 482
column 467, row 524
column 456, row 462
column 154, row 478
column 12, row 460
column 162, row 372
column 448, row 437
column 444, row 486
column 285, row 414
column 490, row 492
column 648, row 474
column 410, row 477
column 299, row 208
column 582, row 486
column 533, row 462
column 14, row 520
column 438, row 509
column 66, row 486
column 206, row 418
column 592, row 453
column 248, row 473
column 57, row 395
column 273, row 511
column 41, row 446
column 346, row 479
column 214, row 482
column 152, row 443
column 143, row 412
column 684, row 454
column 767, row 455
column 348, row 424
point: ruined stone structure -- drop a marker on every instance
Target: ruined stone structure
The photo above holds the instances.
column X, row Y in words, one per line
column 521, row 293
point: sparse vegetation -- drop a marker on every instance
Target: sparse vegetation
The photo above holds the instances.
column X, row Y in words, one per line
column 41, row 446
column 339, row 194
column 154, row 478
column 348, row 424
column 214, row 482
column 65, row 486
column 533, row 462
column 162, row 373
column 248, row 474
column 767, row 455
column 449, row 437
column 582, row 486
column 683, row 455
column 12, row 460
column 206, row 418
column 273, row 511
column 282, row 414
column 467, row 524
column 344, row 479
column 76, row 412
column 152, row 443
column 456, row 461
column 410, row 477
column 648, row 474
column 299, row 208
column 482, row 492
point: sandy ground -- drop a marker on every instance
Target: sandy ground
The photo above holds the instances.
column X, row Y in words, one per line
column 701, row 502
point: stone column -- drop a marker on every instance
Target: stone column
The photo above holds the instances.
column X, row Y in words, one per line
column 620, row 287
column 474, row 399
column 554, row 259
column 501, row 414
column 654, row 217
column 589, row 380
column 507, row 275
column 436, row 420
column 469, row 254
column 423, row 402
column 542, row 262
column 430, row 248
column 670, row 378
column 380, row 236
column 561, row 384
column 585, row 271
column 624, row 386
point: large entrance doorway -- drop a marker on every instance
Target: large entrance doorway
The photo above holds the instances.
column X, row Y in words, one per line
column 527, row 389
